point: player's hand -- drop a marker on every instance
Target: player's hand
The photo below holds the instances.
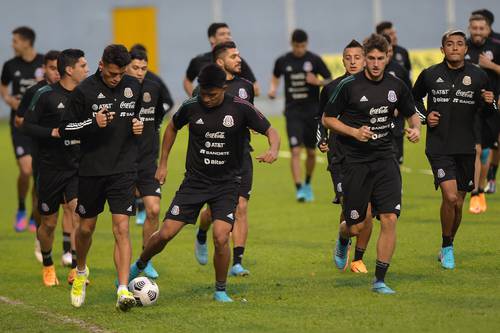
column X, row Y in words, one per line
column 18, row 121
column 271, row 94
column 323, row 147
column 433, row 118
column 413, row 134
column 268, row 157
column 363, row 134
column 137, row 126
column 55, row 133
column 104, row 117
column 488, row 96
column 485, row 62
column 161, row 174
column 312, row 79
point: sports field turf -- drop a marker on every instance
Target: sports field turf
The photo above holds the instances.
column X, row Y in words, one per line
column 293, row 286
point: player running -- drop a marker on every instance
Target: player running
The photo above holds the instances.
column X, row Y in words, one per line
column 400, row 54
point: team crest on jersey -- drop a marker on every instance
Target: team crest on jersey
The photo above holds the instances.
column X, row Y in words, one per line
column 391, row 96
column 146, row 97
column 19, row 150
column 489, row 54
column 242, row 93
column 398, row 56
column 127, row 92
column 354, row 215
column 175, row 210
column 288, row 68
column 228, row 121
column 17, row 73
column 466, row 81
column 308, row 67
column 39, row 73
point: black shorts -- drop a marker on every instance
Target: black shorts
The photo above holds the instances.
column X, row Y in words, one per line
column 378, row 182
column 398, row 144
column 55, row 187
column 118, row 190
column 458, row 167
column 222, row 199
column 21, row 142
column 337, row 176
column 147, row 185
column 246, row 177
column 301, row 130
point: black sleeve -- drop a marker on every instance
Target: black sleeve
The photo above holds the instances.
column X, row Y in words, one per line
column 25, row 103
column 161, row 110
column 251, row 94
column 278, row 68
column 181, row 117
column 338, row 101
column 246, row 72
column 254, row 118
column 33, row 115
column 406, row 78
column 419, row 92
column 167, row 100
column 192, row 70
column 407, row 61
column 322, row 69
column 6, row 75
column 406, row 105
column 485, row 85
column 77, row 122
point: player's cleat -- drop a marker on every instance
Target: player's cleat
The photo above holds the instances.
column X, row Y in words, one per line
column 482, row 202
column 125, row 300
column 341, row 255
column 49, row 276
column 300, row 194
column 381, row 288
column 447, row 258
column 200, row 251
column 21, row 222
column 140, row 217
column 358, row 266
column 491, row 187
column 238, row 270
column 66, row 259
column 38, row 251
column 308, row 193
column 134, row 272
column 474, row 205
column 150, row 271
column 221, row 296
column 72, row 275
column 32, row 226
column 78, row 289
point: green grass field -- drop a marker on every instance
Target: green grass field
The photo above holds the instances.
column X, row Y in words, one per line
column 293, row 286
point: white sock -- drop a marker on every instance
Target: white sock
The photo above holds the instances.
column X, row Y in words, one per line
column 122, row 287
column 79, row 272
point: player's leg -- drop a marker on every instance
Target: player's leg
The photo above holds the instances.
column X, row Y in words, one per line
column 385, row 249
column 200, row 241
column 492, row 172
column 240, row 234
column 222, row 255
column 46, row 237
column 310, row 126
column 450, row 199
column 75, row 219
column 357, row 265
column 474, row 204
column 485, row 165
column 67, row 230
column 34, row 221
column 464, row 176
column 23, row 184
column 294, row 132
column 152, row 206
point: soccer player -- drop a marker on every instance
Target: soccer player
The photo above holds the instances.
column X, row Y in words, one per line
column 300, row 68
column 353, row 59
column 483, row 52
column 217, row 139
column 227, row 56
column 103, row 113
column 57, row 159
column 400, row 53
column 152, row 112
column 217, row 33
column 494, row 36
column 21, row 72
column 455, row 90
column 361, row 111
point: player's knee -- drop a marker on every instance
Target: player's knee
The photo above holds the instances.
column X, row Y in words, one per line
column 451, row 198
column 86, row 230
column 388, row 222
column 120, row 230
column 355, row 230
column 153, row 212
column 221, row 240
column 311, row 153
column 49, row 224
column 25, row 170
column 242, row 209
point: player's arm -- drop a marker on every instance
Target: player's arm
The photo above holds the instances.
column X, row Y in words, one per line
column 191, row 74
column 322, row 132
column 273, row 138
column 23, row 108
column 12, row 101
column 275, row 79
column 247, row 73
column 406, row 106
column 322, row 69
column 419, row 92
column 486, row 63
column 188, row 86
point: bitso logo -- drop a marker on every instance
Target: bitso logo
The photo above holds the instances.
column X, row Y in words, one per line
column 146, row 97
column 242, row 93
column 228, row 121
column 127, row 92
column 391, row 96
column 175, row 210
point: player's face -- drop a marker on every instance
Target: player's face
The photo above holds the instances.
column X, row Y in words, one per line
column 299, row 49
column 353, row 59
column 479, row 31
column 391, row 33
column 80, row 71
column 138, row 69
column 111, row 74
column 51, row 72
column 375, row 64
column 222, row 35
column 232, row 61
column 454, row 49
column 212, row 97
column 19, row 44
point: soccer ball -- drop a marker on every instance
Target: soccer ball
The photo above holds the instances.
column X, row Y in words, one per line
column 145, row 291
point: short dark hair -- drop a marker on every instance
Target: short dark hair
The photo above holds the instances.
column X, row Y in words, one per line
column 375, row 41
column 25, row 33
column 486, row 13
column 299, row 36
column 50, row 56
column 138, row 54
column 221, row 48
column 387, row 38
column 353, row 44
column 116, row 54
column 383, row 26
column 68, row 57
column 478, row 17
column 139, row 47
column 212, row 76
column 452, row 32
column 212, row 28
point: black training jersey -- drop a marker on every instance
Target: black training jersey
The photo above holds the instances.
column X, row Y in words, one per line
column 166, row 97
column 44, row 114
column 492, row 51
column 151, row 113
column 297, row 91
column 28, row 97
column 22, row 74
column 112, row 149
column 456, row 95
column 401, row 73
column 358, row 101
column 401, row 56
column 197, row 63
column 217, row 137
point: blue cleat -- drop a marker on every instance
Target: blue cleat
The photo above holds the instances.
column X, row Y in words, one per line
column 341, row 255
column 300, row 194
column 447, row 258
column 140, row 217
column 221, row 296
column 381, row 288
column 238, row 270
column 308, row 193
column 21, row 222
column 150, row 271
column 200, row 251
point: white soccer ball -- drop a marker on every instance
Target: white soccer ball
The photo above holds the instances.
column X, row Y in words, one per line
column 145, row 291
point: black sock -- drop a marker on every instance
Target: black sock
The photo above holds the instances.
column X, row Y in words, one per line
column 140, row 204
column 298, row 186
column 141, row 264
column 73, row 258
column 380, row 270
column 220, row 286
column 22, row 205
column 494, row 169
column 358, row 253
column 474, row 193
column 308, row 179
column 481, row 190
column 66, row 242
column 201, row 236
column 238, row 255
column 343, row 241
column 47, row 258
column 447, row 241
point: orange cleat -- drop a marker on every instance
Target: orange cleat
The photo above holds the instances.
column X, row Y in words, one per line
column 358, row 266
column 482, row 202
column 474, row 205
column 49, row 276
